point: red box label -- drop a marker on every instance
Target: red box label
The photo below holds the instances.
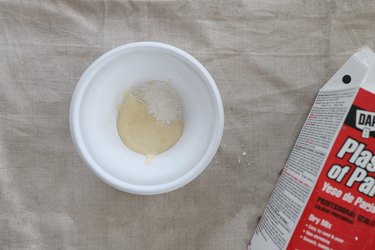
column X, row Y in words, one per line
column 340, row 214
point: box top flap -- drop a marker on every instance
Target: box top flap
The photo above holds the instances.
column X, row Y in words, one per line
column 369, row 80
column 353, row 72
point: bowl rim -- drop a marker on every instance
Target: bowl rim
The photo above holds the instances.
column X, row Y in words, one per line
column 195, row 171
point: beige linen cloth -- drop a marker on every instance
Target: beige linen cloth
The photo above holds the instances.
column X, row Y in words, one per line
column 268, row 58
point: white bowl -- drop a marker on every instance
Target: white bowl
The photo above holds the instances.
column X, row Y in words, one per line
column 93, row 115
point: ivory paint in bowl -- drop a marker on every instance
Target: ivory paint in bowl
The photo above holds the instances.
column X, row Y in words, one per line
column 93, row 116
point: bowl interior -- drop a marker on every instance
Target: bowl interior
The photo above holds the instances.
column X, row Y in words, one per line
column 105, row 83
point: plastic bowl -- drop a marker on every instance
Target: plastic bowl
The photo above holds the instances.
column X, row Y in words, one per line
column 93, row 115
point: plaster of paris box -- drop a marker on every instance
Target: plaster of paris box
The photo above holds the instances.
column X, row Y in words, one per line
column 324, row 198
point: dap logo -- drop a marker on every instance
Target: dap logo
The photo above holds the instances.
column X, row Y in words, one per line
column 365, row 121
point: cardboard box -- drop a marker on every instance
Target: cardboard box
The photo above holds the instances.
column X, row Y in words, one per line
column 324, row 198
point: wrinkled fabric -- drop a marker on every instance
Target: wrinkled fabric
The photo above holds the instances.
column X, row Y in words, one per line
column 268, row 58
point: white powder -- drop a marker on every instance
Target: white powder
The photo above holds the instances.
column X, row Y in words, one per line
column 161, row 99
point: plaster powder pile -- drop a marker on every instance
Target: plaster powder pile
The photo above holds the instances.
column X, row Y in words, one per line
column 161, row 99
